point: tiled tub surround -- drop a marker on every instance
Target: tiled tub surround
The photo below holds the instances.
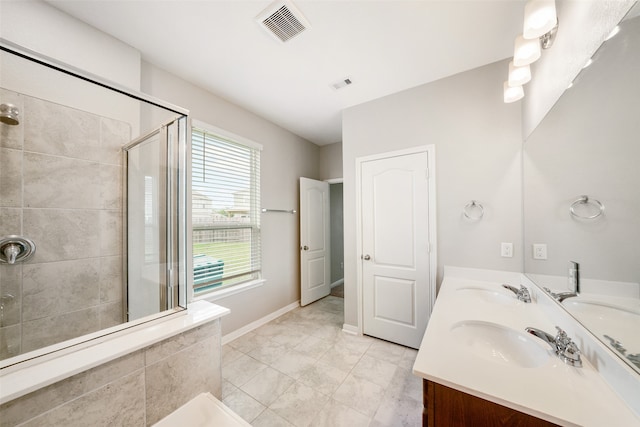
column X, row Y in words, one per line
column 134, row 379
column 554, row 391
column 60, row 186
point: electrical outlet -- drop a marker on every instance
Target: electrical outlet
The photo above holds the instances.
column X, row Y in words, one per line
column 506, row 250
column 539, row 251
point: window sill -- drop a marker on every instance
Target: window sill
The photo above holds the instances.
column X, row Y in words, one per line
column 227, row 292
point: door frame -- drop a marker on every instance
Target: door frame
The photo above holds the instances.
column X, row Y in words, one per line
column 332, row 181
column 433, row 266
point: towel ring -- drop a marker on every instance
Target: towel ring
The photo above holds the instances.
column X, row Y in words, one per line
column 469, row 207
column 585, row 200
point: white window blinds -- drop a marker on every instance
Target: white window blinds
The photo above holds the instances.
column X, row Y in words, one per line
column 225, row 212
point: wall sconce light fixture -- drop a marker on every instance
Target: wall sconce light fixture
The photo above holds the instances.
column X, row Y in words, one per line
column 539, row 18
column 519, row 76
column 512, row 93
column 539, row 30
column 526, row 51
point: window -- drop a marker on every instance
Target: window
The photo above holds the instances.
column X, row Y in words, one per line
column 225, row 211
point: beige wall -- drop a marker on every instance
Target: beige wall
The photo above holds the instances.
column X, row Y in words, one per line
column 44, row 29
column 331, row 161
column 40, row 27
column 285, row 157
column 477, row 138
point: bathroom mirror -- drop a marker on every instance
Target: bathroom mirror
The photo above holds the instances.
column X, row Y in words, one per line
column 90, row 177
column 582, row 194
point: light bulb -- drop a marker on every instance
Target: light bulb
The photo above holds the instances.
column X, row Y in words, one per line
column 512, row 93
column 519, row 76
column 526, row 51
column 539, row 18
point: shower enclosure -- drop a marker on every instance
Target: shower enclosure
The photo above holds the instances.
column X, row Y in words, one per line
column 92, row 206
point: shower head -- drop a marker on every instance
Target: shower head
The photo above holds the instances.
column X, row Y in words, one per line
column 9, row 114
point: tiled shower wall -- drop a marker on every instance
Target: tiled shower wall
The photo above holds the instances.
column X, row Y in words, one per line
column 60, row 186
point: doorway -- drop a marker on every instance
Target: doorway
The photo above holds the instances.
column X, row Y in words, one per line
column 336, row 238
column 321, row 239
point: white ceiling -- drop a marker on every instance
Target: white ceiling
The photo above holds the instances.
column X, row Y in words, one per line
column 383, row 46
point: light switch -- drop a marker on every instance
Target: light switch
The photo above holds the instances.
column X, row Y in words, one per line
column 539, row 251
column 506, row 250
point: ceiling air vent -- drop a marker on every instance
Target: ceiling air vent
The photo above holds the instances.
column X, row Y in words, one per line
column 283, row 20
column 342, row 83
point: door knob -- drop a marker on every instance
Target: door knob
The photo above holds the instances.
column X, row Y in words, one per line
column 305, row 248
column 366, row 257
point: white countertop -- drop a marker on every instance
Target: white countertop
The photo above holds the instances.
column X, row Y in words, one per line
column 17, row 380
column 553, row 391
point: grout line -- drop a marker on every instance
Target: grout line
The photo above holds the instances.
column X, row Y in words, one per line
column 385, row 389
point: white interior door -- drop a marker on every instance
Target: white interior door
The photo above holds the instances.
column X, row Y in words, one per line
column 395, row 247
column 315, row 256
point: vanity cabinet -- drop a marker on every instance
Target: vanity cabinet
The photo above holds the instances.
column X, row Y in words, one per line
column 446, row 407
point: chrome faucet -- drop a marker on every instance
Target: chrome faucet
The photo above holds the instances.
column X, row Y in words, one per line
column 633, row 358
column 522, row 293
column 574, row 277
column 561, row 344
column 561, row 296
column 616, row 344
column 574, row 283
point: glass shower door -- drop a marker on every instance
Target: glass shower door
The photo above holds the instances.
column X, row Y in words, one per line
column 155, row 248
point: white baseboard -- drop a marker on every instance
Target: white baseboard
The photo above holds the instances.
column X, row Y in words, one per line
column 350, row 329
column 256, row 324
column 338, row 283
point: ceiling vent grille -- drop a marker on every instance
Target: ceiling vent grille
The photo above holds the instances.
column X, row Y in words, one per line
column 283, row 20
column 342, row 83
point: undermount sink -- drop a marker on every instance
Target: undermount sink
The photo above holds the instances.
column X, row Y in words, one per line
column 500, row 344
column 488, row 295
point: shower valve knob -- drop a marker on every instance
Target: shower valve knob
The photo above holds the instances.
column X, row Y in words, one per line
column 11, row 252
column 16, row 248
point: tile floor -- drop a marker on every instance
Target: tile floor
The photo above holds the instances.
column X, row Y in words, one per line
column 302, row 370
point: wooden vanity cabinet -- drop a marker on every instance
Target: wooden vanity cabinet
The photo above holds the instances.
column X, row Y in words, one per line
column 446, row 407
